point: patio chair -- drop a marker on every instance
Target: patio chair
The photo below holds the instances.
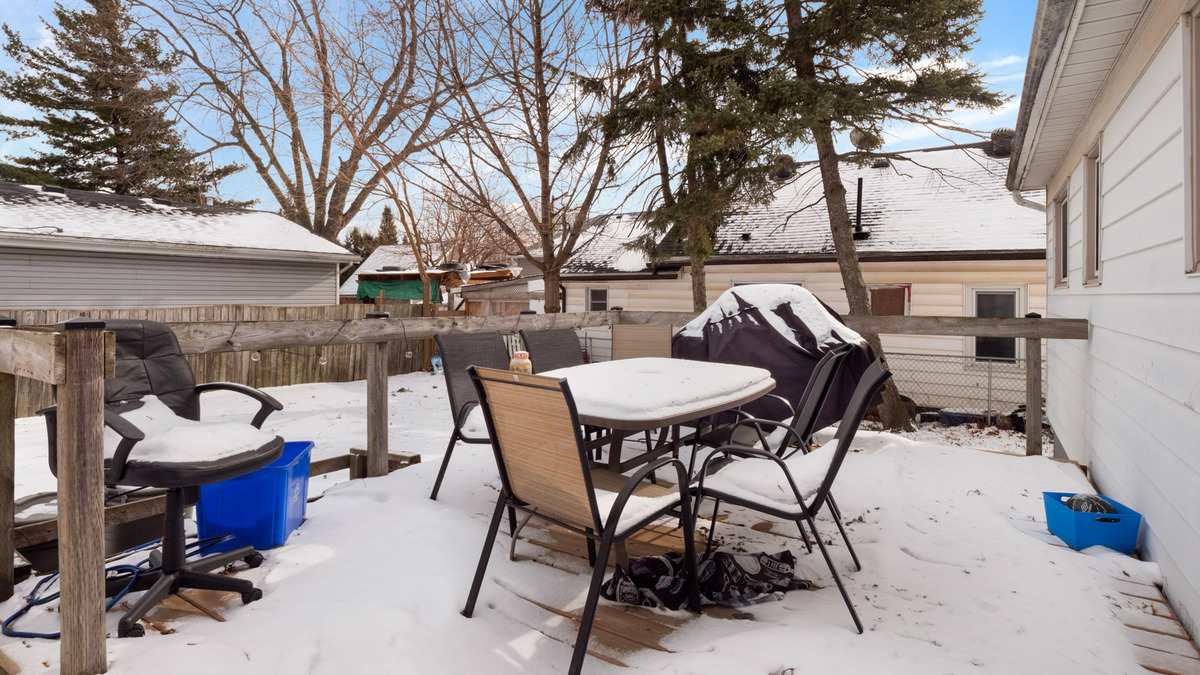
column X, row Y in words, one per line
column 174, row 452
column 458, row 352
column 630, row 341
column 544, row 473
column 800, row 485
column 552, row 349
column 797, row 429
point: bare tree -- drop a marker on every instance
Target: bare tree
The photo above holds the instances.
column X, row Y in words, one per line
column 306, row 89
column 548, row 70
column 469, row 235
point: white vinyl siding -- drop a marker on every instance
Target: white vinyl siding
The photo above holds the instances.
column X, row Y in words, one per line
column 1127, row 402
column 41, row 279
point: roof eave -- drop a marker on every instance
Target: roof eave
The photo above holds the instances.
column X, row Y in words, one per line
column 1051, row 26
column 61, row 243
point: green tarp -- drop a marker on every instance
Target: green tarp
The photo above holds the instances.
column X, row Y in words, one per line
column 405, row 289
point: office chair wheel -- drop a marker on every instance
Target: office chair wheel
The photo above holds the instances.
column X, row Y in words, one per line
column 253, row 560
column 136, row 630
column 250, row 596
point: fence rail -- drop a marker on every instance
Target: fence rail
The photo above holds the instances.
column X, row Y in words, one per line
column 274, row 367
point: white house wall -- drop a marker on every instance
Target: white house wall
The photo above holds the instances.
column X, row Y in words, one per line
column 40, row 279
column 1126, row 402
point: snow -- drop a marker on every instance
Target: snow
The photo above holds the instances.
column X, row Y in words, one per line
column 27, row 211
column 171, row 439
column 826, row 329
column 959, row 574
column 649, row 389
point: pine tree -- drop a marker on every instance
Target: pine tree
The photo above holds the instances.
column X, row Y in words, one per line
column 701, row 102
column 102, row 111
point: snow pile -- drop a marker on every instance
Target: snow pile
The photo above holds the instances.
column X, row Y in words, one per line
column 826, row 329
column 959, row 573
column 171, row 439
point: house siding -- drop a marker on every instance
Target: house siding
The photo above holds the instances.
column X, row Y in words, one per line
column 43, row 279
column 1127, row 402
column 939, row 288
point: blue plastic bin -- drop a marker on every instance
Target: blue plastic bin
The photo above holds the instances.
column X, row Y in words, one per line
column 261, row 508
column 1118, row 531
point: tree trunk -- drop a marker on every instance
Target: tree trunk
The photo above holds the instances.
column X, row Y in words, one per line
column 699, row 284
column 553, row 300
column 894, row 413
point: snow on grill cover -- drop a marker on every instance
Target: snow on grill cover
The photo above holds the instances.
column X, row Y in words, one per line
column 783, row 328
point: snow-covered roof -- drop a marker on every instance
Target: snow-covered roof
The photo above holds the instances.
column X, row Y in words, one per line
column 35, row 216
column 399, row 256
column 944, row 201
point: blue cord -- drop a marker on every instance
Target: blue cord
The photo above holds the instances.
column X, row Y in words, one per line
column 134, row 571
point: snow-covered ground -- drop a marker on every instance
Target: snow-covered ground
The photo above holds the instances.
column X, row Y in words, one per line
column 958, row 573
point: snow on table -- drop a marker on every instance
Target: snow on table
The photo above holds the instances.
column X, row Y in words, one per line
column 648, row 391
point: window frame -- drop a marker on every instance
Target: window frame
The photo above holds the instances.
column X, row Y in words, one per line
column 1061, row 250
column 1092, row 212
column 971, row 309
column 587, row 298
column 1191, row 139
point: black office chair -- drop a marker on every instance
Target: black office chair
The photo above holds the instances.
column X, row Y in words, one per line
column 150, row 364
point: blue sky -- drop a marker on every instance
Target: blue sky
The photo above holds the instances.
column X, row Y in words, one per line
column 1004, row 35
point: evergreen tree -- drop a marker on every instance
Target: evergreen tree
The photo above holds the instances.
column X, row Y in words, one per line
column 364, row 243
column 701, row 102
column 102, row 112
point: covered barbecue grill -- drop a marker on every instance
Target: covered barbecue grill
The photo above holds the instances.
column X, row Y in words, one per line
column 780, row 327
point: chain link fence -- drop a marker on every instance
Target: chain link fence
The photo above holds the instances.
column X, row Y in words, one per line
column 962, row 388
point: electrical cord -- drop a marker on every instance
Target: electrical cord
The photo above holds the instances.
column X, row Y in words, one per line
column 111, row 573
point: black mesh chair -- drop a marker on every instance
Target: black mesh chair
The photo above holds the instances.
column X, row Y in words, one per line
column 458, row 353
column 802, row 482
column 796, row 432
column 150, row 363
column 552, row 349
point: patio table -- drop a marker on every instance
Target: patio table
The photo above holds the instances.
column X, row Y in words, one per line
column 632, row 395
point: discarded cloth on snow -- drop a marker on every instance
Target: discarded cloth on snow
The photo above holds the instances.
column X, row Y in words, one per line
column 733, row 580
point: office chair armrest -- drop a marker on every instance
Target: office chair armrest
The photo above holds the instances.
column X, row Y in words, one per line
column 269, row 404
column 786, row 403
column 130, row 436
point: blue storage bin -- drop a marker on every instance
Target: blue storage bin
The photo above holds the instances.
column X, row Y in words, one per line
column 1118, row 531
column 260, row 508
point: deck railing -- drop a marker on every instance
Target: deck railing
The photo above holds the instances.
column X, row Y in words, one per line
column 80, row 357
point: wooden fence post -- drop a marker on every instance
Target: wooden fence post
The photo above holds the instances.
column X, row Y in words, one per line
column 377, row 404
column 1033, row 393
column 8, row 419
column 81, row 498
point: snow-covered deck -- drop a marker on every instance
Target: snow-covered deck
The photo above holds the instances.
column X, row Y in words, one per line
column 959, row 573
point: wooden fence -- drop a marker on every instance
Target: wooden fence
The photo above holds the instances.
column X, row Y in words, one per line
column 275, row 367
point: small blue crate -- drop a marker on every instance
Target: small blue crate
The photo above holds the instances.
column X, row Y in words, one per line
column 1118, row 531
column 262, row 507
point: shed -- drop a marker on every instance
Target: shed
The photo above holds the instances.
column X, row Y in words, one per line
column 80, row 249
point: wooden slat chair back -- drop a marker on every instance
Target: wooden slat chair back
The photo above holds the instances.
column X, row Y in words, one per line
column 537, row 437
column 631, row 341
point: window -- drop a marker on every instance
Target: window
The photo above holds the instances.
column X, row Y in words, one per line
column 890, row 299
column 597, row 299
column 998, row 303
column 1091, row 216
column 1062, row 243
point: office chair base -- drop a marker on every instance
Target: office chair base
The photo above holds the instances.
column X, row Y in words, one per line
column 192, row 575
